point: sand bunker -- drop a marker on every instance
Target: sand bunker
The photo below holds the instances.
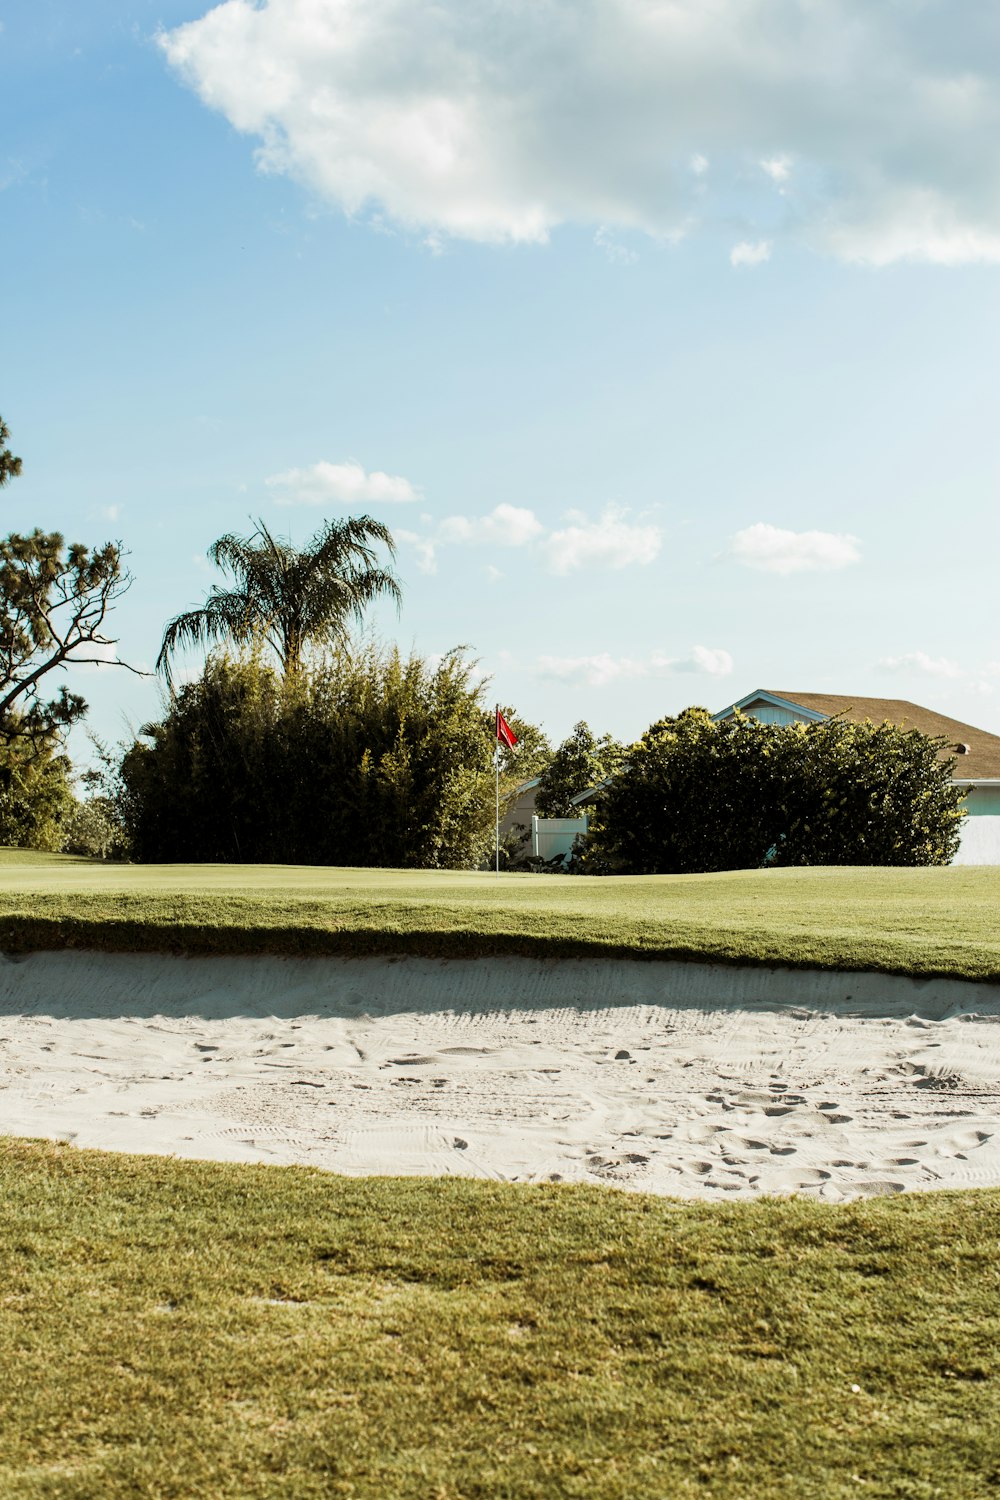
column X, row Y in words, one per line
column 689, row 1079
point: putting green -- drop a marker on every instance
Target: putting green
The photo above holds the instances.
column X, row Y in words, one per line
column 915, row 921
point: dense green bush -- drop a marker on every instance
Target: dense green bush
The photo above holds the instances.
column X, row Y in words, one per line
column 369, row 758
column 36, row 795
column 696, row 795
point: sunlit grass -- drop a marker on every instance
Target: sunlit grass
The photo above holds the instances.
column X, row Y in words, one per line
column 192, row 1329
column 923, row 921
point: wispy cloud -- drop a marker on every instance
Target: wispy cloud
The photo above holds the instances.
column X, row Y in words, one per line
column 505, row 526
column 778, row 168
column 920, row 661
column 602, row 668
column 869, row 119
column 610, row 541
column 348, row 483
column 423, row 547
column 711, row 660
column 775, row 550
column 613, row 248
column 750, row 253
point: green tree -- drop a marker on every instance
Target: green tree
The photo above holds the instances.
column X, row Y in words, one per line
column 10, row 466
column 36, row 794
column 54, row 605
column 366, row 758
column 580, row 762
column 696, row 795
column 285, row 598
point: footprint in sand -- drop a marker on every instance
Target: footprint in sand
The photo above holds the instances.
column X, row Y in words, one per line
column 936, row 1078
column 874, row 1188
column 802, row 1177
column 968, row 1140
column 603, row 1166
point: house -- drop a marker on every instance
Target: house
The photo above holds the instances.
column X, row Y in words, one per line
column 521, row 807
column 550, row 838
column 975, row 752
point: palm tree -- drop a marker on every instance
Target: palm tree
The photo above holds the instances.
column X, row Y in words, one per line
column 288, row 598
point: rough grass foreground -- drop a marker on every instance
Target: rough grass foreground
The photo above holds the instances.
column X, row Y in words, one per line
column 910, row 921
column 194, row 1329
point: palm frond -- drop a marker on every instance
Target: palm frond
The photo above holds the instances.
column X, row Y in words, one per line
column 287, row 597
column 224, row 615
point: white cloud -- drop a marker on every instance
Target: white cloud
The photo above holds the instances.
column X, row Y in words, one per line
column 610, row 541
column 711, row 660
column 423, row 546
column 494, row 122
column 778, row 168
column 595, row 671
column 603, row 668
column 339, row 484
column 774, row 550
column 505, row 526
column 750, row 253
column 919, row 661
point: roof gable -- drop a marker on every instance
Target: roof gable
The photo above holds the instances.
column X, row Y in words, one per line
column 775, row 700
column 981, row 762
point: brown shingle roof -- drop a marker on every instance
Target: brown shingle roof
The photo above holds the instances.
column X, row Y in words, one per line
column 982, row 761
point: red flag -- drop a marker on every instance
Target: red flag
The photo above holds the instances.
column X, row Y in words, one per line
column 505, row 734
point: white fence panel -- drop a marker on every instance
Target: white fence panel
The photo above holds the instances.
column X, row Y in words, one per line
column 552, row 837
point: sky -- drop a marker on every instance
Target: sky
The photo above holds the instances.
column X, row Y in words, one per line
column 661, row 333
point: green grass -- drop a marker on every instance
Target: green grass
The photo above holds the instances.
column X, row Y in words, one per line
column 923, row 921
column 195, row 1329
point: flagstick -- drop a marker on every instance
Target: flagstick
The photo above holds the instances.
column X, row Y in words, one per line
column 496, row 762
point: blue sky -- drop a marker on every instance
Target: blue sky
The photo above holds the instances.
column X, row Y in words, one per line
column 663, row 335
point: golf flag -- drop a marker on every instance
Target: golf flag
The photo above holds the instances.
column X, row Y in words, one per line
column 505, row 734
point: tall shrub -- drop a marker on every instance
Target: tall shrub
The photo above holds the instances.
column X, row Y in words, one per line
column 370, row 758
column 582, row 760
column 36, row 794
column 696, row 795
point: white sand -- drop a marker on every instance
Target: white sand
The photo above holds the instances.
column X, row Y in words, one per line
column 688, row 1079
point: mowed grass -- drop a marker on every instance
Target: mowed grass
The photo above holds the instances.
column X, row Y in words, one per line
column 194, row 1329
column 917, row 921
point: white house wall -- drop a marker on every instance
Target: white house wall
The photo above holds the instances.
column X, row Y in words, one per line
column 980, row 842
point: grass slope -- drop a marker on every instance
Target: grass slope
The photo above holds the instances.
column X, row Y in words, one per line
column 921, row 921
column 179, row 1329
